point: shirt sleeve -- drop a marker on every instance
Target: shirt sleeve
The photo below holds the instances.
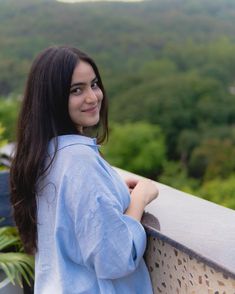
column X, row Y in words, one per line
column 111, row 243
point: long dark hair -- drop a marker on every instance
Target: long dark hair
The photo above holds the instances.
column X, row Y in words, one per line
column 44, row 115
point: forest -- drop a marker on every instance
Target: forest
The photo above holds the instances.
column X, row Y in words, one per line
column 169, row 70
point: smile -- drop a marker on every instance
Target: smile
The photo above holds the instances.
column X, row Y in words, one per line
column 92, row 109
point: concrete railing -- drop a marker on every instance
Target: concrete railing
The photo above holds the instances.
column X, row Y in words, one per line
column 191, row 242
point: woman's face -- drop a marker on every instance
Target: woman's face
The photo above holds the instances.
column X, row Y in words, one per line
column 85, row 97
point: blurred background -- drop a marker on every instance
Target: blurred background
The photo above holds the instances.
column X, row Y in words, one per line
column 169, row 70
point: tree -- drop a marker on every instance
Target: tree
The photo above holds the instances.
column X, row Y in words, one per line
column 221, row 191
column 174, row 174
column 213, row 158
column 137, row 147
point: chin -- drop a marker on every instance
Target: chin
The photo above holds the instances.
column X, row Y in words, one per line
column 92, row 123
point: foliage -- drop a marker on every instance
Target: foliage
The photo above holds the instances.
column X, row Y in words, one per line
column 168, row 63
column 138, row 147
column 128, row 35
column 212, row 159
column 186, row 101
column 13, row 261
column 2, row 141
column 175, row 175
column 8, row 116
column 221, row 191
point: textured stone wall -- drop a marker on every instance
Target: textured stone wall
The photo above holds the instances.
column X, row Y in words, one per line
column 175, row 272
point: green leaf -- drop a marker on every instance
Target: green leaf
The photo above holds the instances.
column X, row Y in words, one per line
column 16, row 264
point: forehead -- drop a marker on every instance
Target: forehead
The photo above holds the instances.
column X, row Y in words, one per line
column 83, row 72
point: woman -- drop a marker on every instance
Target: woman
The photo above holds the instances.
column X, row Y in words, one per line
column 71, row 208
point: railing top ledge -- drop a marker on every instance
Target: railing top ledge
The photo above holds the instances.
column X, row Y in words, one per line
column 196, row 226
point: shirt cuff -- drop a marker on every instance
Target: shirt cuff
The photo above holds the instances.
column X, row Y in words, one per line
column 138, row 235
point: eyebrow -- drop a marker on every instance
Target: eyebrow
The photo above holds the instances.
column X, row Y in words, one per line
column 83, row 83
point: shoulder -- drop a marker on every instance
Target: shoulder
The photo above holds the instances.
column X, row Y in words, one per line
column 78, row 158
column 78, row 152
column 75, row 155
column 73, row 148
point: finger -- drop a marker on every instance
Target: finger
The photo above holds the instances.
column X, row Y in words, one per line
column 131, row 183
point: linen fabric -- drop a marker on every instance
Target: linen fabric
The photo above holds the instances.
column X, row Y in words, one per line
column 86, row 244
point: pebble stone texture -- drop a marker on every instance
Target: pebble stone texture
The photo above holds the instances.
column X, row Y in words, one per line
column 175, row 272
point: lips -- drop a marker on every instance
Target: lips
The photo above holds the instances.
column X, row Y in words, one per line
column 91, row 109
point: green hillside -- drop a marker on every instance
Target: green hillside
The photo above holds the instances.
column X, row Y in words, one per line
column 169, row 70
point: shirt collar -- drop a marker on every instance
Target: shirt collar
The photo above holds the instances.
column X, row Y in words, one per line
column 67, row 140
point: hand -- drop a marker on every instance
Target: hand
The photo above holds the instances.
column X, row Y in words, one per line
column 145, row 190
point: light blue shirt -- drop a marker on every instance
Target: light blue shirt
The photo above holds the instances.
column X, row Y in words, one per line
column 86, row 244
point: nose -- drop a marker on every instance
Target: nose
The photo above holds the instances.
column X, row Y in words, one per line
column 91, row 96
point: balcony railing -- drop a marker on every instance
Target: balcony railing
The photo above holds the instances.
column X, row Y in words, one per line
column 191, row 244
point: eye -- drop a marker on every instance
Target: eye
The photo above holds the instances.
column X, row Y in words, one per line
column 95, row 85
column 76, row 91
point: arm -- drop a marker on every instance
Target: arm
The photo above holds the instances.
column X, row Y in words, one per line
column 110, row 242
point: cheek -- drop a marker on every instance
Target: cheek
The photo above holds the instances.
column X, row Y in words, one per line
column 100, row 95
column 74, row 103
column 73, row 106
column 70, row 106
